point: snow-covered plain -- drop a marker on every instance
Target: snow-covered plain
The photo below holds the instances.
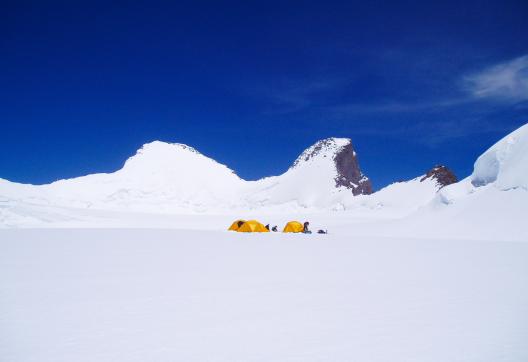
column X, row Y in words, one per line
column 204, row 295
column 409, row 273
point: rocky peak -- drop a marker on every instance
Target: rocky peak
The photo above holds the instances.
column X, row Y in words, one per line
column 441, row 174
column 349, row 174
column 341, row 152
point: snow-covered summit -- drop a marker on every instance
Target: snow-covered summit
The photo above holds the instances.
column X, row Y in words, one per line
column 174, row 160
column 160, row 148
column 338, row 157
column 312, row 182
column 326, row 148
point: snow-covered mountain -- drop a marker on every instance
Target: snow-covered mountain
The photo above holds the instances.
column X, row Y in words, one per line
column 177, row 178
column 321, row 177
column 160, row 176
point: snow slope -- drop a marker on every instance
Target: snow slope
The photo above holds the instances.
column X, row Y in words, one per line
column 396, row 200
column 501, row 169
column 505, row 164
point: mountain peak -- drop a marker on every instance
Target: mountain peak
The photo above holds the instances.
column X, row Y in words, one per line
column 159, row 151
column 340, row 152
column 173, row 159
column 327, row 147
column 161, row 146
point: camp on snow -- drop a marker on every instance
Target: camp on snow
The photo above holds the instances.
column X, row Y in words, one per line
column 252, row 226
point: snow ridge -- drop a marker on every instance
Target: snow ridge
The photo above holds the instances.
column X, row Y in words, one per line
column 505, row 164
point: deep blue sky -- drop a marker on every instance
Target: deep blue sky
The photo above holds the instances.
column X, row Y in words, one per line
column 251, row 84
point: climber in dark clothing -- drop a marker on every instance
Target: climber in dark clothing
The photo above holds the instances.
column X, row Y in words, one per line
column 274, row 229
column 305, row 228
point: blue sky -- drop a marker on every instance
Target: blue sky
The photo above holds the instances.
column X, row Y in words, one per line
column 251, row 84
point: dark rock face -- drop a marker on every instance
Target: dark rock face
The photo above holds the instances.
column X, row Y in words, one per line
column 442, row 175
column 349, row 174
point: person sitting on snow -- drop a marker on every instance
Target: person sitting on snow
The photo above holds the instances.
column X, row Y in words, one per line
column 274, row 229
column 305, row 228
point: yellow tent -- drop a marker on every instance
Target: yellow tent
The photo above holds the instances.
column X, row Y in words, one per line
column 252, row 226
column 293, row 227
column 234, row 226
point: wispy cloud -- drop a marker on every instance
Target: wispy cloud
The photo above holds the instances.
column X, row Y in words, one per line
column 430, row 110
column 506, row 81
column 393, row 107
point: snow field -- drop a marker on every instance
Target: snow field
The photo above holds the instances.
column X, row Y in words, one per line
column 167, row 295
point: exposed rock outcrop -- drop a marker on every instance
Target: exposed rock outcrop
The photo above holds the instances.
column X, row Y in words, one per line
column 349, row 173
column 442, row 175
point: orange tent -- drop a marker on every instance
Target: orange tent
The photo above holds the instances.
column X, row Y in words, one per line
column 252, row 226
column 234, row 226
column 293, row 227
